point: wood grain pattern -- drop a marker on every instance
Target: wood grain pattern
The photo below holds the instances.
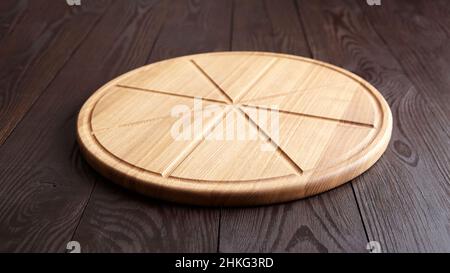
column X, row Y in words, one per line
column 11, row 13
column 421, row 49
column 331, row 126
column 425, row 65
column 45, row 183
column 148, row 225
column 37, row 47
column 329, row 222
column 403, row 202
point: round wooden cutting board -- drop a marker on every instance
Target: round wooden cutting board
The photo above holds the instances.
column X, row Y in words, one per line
column 234, row 128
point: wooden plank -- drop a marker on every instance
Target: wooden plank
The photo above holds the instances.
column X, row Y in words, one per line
column 193, row 27
column 34, row 51
column 418, row 38
column 404, row 197
column 329, row 222
column 119, row 221
column 45, row 182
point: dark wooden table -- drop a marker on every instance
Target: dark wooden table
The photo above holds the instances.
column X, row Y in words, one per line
column 53, row 56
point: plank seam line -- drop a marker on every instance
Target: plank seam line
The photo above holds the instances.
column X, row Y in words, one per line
column 83, row 211
column 302, row 27
column 360, row 212
column 158, row 34
column 95, row 182
column 231, row 34
column 278, row 149
column 167, row 93
column 203, row 72
column 218, row 230
column 355, row 123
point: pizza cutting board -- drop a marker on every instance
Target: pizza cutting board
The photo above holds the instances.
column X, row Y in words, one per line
column 234, row 128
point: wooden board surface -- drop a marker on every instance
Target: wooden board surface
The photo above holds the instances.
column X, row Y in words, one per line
column 298, row 127
column 328, row 222
column 49, row 195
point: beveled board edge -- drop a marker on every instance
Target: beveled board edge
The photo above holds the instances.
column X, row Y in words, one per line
column 231, row 193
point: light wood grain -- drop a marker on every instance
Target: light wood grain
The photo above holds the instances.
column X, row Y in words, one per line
column 333, row 127
column 329, row 222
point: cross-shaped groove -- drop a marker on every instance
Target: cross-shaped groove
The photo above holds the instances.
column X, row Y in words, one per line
column 215, row 122
column 280, row 151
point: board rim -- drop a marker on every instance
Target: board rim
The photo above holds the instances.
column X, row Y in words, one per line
column 231, row 193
